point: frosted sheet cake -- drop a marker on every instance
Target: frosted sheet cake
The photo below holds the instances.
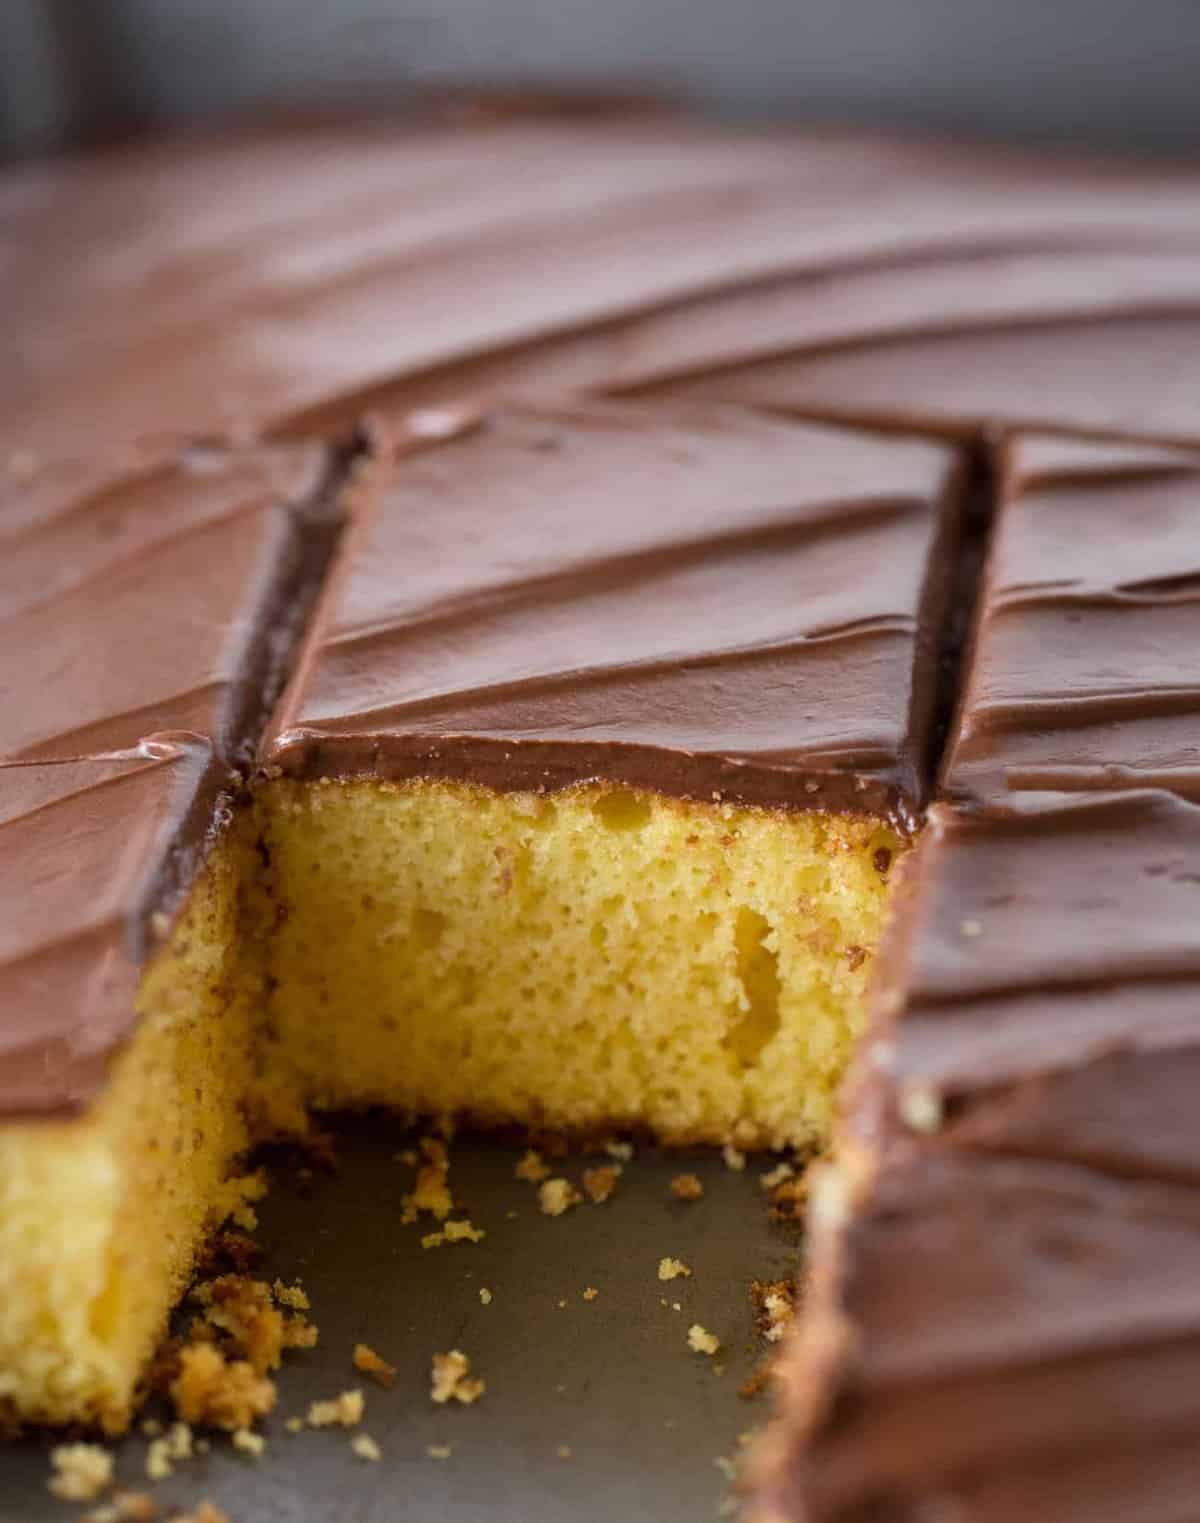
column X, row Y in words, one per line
column 481, row 745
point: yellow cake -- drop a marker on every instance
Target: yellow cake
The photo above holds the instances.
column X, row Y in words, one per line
column 596, row 833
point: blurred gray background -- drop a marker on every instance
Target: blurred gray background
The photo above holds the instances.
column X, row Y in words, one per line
column 1099, row 71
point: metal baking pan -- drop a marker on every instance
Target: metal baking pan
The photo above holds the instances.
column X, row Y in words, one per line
column 594, row 1410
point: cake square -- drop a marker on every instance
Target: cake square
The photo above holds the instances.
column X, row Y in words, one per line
column 581, row 808
column 1082, row 677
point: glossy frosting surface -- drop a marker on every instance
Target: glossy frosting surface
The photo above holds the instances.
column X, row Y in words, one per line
column 87, row 851
column 148, row 612
column 142, row 637
column 950, row 287
column 700, row 600
column 1084, row 675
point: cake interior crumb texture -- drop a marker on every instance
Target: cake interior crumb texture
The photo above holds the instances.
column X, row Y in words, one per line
column 101, row 1214
column 596, row 956
column 591, row 957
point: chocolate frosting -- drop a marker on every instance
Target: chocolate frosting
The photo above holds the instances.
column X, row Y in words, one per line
column 677, row 592
column 88, row 851
column 151, row 612
column 1021, row 1126
column 924, row 284
column 1083, row 676
column 702, row 601
column 1022, row 1342
column 145, row 635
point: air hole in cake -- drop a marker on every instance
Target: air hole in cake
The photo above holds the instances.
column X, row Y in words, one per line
column 428, row 926
column 620, row 809
column 759, row 1019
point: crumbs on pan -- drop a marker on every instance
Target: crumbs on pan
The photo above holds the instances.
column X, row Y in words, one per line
column 533, row 1168
column 81, row 1472
column 454, row 1232
column 556, row 1196
column 774, row 1306
column 249, row 1443
column 431, row 1192
column 451, row 1379
column 672, row 1269
column 599, row 1184
column 342, row 1411
column 701, row 1341
column 368, row 1362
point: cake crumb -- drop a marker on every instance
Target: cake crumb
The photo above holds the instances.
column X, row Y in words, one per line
column 671, row 1269
column 599, row 1184
column 921, row 1107
column 294, row 1425
column 788, row 1199
column 590, row 1293
column 562, row 1305
column 81, row 1472
column 556, row 1196
column 240, row 1317
column 343, row 1411
column 439, row 1451
column 370, row 1363
column 431, row 1192
column 686, row 1187
column 219, row 1392
column 454, row 1232
column 158, row 1462
column 452, row 1381
column 292, row 1296
column 365, row 1447
column 774, row 1306
column 971, row 928
column 776, row 1176
column 165, row 1452
column 621, row 1151
column 485, row 1295
column 700, row 1341
column 246, row 1441
column 207, row 1512
column 533, row 1167
column 734, row 1158
column 151, row 1427
column 564, row 1451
